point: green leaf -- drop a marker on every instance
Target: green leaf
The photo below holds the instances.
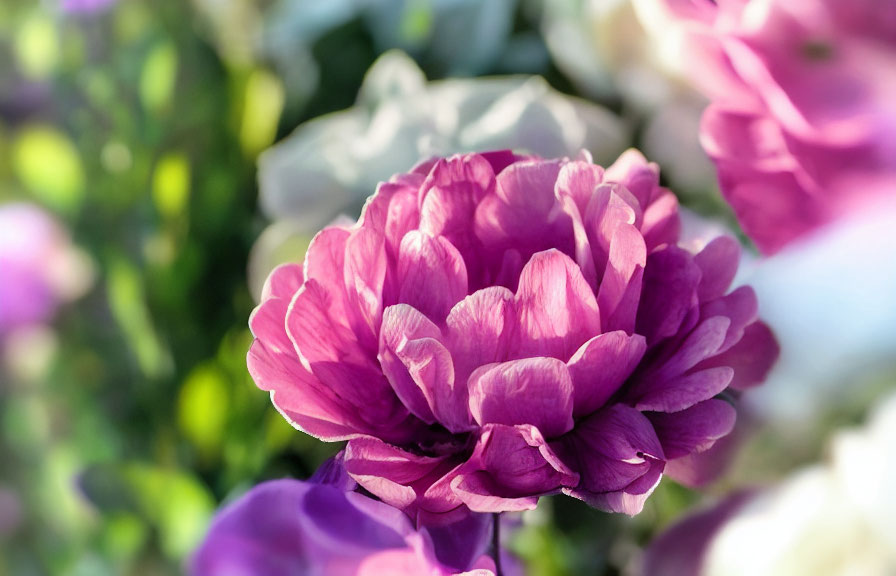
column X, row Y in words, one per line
column 203, row 407
column 171, row 185
column 157, row 80
column 37, row 47
column 48, row 165
column 174, row 502
column 262, row 105
column 128, row 304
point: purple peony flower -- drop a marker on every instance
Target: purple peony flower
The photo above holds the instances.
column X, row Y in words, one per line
column 321, row 527
column 804, row 93
column 496, row 328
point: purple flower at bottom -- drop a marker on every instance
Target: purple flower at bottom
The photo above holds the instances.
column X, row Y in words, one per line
column 496, row 328
column 321, row 527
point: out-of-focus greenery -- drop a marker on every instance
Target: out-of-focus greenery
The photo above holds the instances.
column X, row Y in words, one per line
column 130, row 127
column 139, row 127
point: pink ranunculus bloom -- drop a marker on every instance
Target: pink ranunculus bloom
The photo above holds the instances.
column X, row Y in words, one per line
column 322, row 527
column 496, row 328
column 803, row 94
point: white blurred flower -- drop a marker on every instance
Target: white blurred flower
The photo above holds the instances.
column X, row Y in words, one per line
column 454, row 37
column 625, row 49
column 329, row 165
column 831, row 520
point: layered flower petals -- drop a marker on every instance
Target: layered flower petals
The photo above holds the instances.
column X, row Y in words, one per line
column 619, row 457
column 693, row 429
column 497, row 328
column 432, row 275
column 420, row 368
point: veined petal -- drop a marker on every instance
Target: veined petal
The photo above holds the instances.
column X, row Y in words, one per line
column 420, row 368
column 432, row 276
column 482, row 329
column 557, row 309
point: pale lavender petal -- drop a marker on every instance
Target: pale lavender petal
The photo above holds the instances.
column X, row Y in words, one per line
column 558, row 311
column 433, row 277
column 482, row 329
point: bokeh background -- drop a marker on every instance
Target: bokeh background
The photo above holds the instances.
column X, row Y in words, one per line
column 127, row 414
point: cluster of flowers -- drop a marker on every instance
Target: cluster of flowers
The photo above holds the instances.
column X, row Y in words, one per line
column 498, row 327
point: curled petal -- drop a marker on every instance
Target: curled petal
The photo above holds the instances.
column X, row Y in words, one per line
column 396, row 476
column 600, row 367
column 694, row 429
column 613, row 449
column 420, row 368
column 751, row 358
column 509, row 469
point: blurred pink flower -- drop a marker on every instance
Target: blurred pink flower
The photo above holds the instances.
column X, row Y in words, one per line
column 803, row 94
column 85, row 6
column 39, row 268
column 496, row 328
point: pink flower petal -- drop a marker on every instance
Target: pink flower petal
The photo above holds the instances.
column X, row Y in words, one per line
column 557, row 309
column 536, row 391
column 510, row 468
column 432, row 275
column 482, row 329
column 600, row 367
column 694, row 429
